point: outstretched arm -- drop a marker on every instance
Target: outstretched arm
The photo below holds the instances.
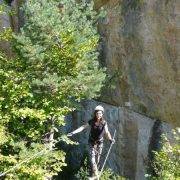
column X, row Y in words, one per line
column 78, row 130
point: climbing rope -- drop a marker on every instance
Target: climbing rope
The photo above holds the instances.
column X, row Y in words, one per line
column 45, row 151
column 18, row 165
column 42, row 152
column 107, row 156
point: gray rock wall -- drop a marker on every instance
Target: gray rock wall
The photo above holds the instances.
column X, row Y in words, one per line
column 130, row 154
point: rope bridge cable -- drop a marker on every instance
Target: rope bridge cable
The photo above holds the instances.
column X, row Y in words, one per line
column 27, row 160
column 42, row 152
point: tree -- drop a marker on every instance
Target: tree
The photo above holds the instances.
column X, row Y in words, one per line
column 54, row 68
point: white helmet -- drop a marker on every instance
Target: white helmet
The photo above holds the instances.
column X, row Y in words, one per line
column 99, row 108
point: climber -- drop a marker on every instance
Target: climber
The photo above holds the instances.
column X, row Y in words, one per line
column 98, row 128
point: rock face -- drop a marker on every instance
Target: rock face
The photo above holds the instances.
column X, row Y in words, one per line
column 140, row 50
column 134, row 140
column 139, row 47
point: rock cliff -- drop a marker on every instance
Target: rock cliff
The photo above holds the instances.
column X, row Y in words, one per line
column 139, row 47
column 136, row 136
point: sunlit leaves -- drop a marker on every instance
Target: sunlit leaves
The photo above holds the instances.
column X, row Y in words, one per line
column 54, row 67
column 166, row 163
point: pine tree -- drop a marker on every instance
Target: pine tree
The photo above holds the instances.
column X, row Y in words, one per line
column 55, row 66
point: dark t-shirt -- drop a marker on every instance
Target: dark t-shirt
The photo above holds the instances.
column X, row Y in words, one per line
column 96, row 132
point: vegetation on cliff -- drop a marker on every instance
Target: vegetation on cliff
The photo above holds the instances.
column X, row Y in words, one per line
column 166, row 163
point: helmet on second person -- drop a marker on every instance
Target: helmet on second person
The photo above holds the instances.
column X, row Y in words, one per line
column 99, row 108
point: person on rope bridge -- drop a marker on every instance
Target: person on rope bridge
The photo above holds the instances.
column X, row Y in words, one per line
column 98, row 128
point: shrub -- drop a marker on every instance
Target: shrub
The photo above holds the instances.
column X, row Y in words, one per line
column 166, row 163
column 107, row 174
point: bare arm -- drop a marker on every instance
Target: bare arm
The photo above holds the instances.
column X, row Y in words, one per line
column 107, row 133
column 78, row 130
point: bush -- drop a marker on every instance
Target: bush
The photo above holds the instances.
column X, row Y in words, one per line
column 107, row 174
column 166, row 163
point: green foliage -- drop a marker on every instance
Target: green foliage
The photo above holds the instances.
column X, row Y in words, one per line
column 107, row 174
column 167, row 162
column 36, row 159
column 54, row 67
column 6, row 34
column 82, row 174
column 61, row 45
